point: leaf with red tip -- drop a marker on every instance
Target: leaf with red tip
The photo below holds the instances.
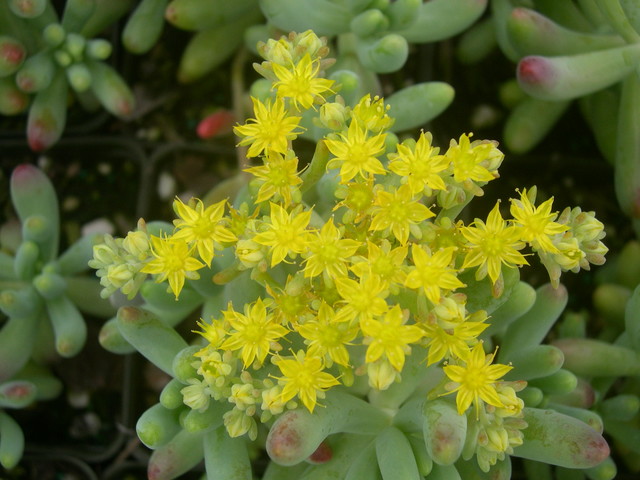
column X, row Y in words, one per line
column 17, row 394
column 111, row 89
column 12, row 54
column 323, row 454
column 219, row 123
column 48, row 114
column 12, row 100
column 558, row 439
column 178, row 456
column 567, row 77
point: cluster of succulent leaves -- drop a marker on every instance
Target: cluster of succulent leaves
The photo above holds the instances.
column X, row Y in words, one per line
column 44, row 58
column 348, row 298
column 355, row 279
column 565, row 51
column 42, row 296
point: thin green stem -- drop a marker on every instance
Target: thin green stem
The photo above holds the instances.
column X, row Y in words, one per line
column 237, row 96
column 316, row 168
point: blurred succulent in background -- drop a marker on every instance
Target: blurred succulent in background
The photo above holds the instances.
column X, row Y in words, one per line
column 219, row 23
column 42, row 295
column 582, row 50
column 371, row 38
column 44, row 57
column 348, row 316
column 602, row 348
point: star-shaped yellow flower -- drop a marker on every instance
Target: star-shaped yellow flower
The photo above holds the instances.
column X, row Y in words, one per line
column 271, row 130
column 356, row 154
column 476, row 380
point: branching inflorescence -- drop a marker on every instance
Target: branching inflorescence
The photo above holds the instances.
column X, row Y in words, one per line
column 347, row 297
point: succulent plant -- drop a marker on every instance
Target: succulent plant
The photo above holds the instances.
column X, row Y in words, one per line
column 586, row 51
column 42, row 295
column 44, row 57
column 218, row 26
column 375, row 37
column 351, row 324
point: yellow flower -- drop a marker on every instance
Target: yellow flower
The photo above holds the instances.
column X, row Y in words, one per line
column 356, row 154
column 327, row 336
column 271, row 130
column 172, row 261
column 451, row 342
column 329, row 252
column 286, row 234
column 477, row 162
column 300, row 82
column 363, row 299
column 292, row 304
column 278, row 177
column 304, row 376
column 398, row 211
column 382, row 261
column 253, row 333
column 372, row 114
column 476, row 380
column 432, row 273
column 491, row 245
column 358, row 198
column 390, row 337
column 537, row 223
column 213, row 332
column 201, row 226
column 419, row 166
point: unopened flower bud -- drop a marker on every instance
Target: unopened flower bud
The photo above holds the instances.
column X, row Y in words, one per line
column 308, row 42
column 137, row 244
column 237, row 423
column 103, row 255
column 277, row 51
column 118, row 275
column 333, row 115
column 195, row 395
column 381, row 374
column 249, row 253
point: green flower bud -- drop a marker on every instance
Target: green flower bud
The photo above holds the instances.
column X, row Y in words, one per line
column 118, row 275
column 333, row 115
column 103, row 255
column 137, row 244
column 196, row 395
column 249, row 253
column 238, row 423
column 309, row 42
column 276, row 51
column 381, row 374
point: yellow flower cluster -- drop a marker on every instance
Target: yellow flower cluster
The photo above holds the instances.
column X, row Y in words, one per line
column 358, row 257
